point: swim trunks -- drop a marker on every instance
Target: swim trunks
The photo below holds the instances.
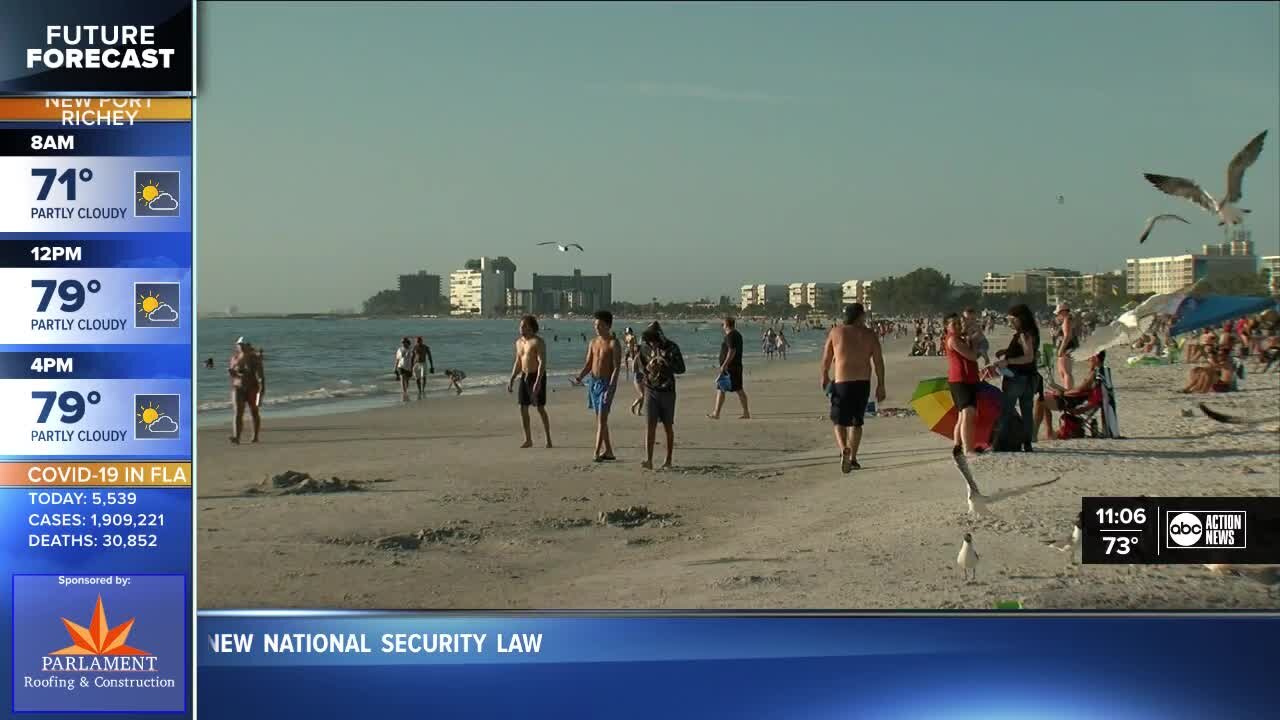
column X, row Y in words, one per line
column 525, row 394
column 849, row 402
column 599, row 396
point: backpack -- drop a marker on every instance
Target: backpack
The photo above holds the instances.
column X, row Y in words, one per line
column 1071, row 428
column 1012, row 438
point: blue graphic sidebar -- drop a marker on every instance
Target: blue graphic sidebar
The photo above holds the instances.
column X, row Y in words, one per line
column 96, row 445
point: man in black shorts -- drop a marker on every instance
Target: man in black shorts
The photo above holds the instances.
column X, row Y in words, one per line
column 851, row 350
column 730, row 376
column 530, row 367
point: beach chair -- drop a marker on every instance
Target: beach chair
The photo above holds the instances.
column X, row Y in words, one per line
column 1087, row 414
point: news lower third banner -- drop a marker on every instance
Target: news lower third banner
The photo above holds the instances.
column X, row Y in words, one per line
column 357, row 664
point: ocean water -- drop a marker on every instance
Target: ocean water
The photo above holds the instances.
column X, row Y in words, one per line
column 323, row 366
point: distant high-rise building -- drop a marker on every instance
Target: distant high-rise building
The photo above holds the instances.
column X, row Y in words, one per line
column 818, row 296
column 995, row 284
column 1175, row 272
column 501, row 264
column 519, row 301
column 576, row 293
column 762, row 294
column 420, row 292
column 856, row 291
column 477, row 291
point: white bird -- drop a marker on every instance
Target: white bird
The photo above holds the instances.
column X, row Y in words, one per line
column 1225, row 208
column 1151, row 222
column 968, row 557
column 977, row 501
column 564, row 248
column 1074, row 543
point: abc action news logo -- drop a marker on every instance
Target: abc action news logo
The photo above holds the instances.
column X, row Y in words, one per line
column 1205, row 529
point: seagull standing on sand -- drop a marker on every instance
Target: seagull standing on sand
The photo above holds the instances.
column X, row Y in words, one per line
column 968, row 557
column 1074, row 543
column 1225, row 209
column 977, row 501
column 1151, row 222
column 564, row 248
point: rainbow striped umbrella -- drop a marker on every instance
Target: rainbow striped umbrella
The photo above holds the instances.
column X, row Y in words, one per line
column 932, row 402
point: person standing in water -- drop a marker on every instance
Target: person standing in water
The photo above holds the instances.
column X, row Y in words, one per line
column 422, row 360
column 530, row 367
column 248, row 385
column 404, row 367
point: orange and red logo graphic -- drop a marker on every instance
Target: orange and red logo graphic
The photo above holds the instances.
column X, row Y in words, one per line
column 99, row 638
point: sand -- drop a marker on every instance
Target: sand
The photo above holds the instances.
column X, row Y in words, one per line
column 755, row 515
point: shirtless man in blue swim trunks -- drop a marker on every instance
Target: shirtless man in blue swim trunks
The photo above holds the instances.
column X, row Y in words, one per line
column 603, row 364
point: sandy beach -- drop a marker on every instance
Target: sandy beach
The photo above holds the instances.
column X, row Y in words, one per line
column 755, row 515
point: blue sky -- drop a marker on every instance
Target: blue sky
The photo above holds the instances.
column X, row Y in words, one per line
column 694, row 148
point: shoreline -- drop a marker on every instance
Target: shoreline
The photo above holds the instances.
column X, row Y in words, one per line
column 387, row 396
column 448, row 513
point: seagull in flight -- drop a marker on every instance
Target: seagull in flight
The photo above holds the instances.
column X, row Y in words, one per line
column 968, row 557
column 564, row 248
column 1225, row 208
column 977, row 501
column 1151, row 222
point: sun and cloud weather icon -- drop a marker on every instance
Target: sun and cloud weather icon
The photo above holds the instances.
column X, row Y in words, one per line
column 157, row 417
column 158, row 304
column 158, row 194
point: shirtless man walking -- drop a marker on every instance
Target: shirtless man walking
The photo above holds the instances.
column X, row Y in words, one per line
column 604, row 363
column 530, row 367
column 421, row 361
column 248, row 384
column 852, row 348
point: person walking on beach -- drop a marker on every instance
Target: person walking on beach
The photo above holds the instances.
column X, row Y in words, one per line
column 404, row 367
column 730, row 366
column 421, row 361
column 248, row 385
column 852, row 349
column 530, row 368
column 657, row 364
column 604, row 364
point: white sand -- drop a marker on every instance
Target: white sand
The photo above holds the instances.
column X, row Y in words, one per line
column 763, row 517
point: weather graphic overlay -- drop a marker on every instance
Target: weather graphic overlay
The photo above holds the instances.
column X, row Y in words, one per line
column 158, row 194
column 96, row 366
column 158, row 305
column 157, row 416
